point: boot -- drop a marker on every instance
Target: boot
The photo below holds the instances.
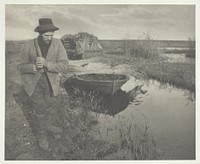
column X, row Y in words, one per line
column 42, row 140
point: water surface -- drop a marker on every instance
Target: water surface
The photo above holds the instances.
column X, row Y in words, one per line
column 169, row 113
column 176, row 57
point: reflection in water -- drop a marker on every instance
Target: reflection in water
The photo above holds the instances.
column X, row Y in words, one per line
column 170, row 115
column 116, row 103
column 107, row 104
column 168, row 111
column 120, row 100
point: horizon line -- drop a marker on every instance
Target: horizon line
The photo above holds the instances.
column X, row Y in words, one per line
column 115, row 39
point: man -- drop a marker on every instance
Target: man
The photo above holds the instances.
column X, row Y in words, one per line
column 43, row 59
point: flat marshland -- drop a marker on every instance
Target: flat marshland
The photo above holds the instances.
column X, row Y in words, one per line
column 89, row 134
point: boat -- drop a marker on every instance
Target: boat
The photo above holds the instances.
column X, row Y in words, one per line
column 106, row 84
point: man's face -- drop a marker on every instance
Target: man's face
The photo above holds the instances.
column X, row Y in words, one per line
column 47, row 36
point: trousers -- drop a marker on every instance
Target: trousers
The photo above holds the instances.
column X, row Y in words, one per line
column 42, row 96
column 43, row 104
column 46, row 107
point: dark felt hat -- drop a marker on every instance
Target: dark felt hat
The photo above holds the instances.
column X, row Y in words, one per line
column 45, row 25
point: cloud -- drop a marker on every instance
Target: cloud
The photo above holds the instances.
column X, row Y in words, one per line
column 106, row 21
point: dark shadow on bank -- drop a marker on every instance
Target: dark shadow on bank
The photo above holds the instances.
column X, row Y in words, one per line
column 103, row 103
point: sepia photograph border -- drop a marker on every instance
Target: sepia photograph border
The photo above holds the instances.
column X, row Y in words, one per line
column 3, row 3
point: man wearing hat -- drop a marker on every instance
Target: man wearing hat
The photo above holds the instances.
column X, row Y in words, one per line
column 43, row 59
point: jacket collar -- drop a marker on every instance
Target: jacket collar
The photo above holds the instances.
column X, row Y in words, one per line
column 37, row 41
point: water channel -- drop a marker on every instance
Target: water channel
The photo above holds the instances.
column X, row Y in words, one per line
column 169, row 113
column 178, row 57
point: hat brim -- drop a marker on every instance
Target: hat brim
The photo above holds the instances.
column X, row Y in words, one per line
column 46, row 28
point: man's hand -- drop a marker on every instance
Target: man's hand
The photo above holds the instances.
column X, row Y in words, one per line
column 40, row 62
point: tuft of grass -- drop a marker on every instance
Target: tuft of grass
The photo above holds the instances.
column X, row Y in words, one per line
column 181, row 75
column 136, row 144
column 143, row 47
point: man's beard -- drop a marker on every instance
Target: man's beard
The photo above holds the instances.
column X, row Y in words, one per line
column 47, row 42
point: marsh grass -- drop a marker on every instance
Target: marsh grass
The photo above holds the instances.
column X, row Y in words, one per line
column 180, row 75
column 136, row 144
column 133, row 142
column 88, row 99
column 143, row 56
column 76, row 142
column 143, row 47
column 82, row 119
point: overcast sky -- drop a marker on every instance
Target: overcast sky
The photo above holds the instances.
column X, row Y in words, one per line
column 168, row 22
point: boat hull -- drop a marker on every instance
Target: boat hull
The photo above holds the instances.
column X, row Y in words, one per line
column 103, row 83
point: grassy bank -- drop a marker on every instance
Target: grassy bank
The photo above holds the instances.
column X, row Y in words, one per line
column 180, row 75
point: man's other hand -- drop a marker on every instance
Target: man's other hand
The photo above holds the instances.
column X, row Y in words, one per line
column 40, row 62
